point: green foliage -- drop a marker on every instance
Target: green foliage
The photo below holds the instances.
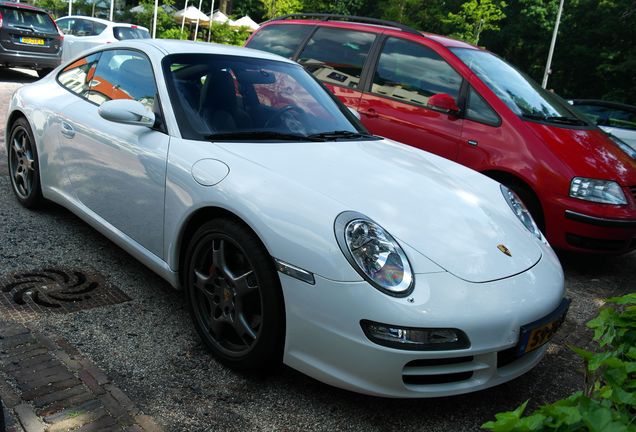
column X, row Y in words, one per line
column 608, row 402
column 56, row 7
column 223, row 33
column 164, row 20
column 174, row 33
column 340, row 7
column 475, row 17
column 254, row 8
column 274, row 8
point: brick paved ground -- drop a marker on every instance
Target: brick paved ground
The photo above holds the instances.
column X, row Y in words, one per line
column 47, row 385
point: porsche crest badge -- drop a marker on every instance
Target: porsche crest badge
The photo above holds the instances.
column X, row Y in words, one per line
column 504, row 250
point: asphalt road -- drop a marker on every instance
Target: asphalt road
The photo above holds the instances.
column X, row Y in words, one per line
column 150, row 349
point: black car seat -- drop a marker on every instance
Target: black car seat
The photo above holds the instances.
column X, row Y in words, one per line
column 219, row 103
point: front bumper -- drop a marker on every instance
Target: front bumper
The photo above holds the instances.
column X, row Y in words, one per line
column 324, row 338
column 589, row 227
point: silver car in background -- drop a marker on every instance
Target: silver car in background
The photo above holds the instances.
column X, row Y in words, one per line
column 82, row 33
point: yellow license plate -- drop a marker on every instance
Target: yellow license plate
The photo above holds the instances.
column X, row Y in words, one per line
column 32, row 41
column 538, row 333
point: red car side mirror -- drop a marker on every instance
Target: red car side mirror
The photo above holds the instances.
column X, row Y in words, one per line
column 443, row 102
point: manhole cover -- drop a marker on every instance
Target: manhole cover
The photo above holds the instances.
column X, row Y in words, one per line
column 55, row 290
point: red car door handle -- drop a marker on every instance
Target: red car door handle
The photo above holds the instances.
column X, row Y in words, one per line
column 370, row 113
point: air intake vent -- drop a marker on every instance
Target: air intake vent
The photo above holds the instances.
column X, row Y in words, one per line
column 440, row 371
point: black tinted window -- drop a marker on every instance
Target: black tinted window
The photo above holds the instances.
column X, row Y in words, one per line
column 336, row 56
column 282, row 39
column 607, row 116
column 29, row 19
column 123, row 74
column 477, row 109
column 123, row 33
column 77, row 76
column 413, row 73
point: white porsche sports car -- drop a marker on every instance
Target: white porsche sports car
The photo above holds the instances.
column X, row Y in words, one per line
column 297, row 236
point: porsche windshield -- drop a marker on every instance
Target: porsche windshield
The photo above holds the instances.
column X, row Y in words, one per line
column 219, row 97
column 522, row 95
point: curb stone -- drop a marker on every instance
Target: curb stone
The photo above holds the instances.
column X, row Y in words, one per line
column 47, row 385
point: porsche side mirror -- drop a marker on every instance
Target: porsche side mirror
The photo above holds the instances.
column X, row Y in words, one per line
column 443, row 102
column 127, row 111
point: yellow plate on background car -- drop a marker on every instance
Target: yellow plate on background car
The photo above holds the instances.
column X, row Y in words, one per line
column 536, row 334
column 32, row 41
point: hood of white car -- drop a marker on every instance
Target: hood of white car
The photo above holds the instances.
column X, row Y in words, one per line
column 454, row 216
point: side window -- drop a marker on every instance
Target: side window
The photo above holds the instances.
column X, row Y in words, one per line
column 82, row 27
column 282, row 39
column 98, row 28
column 336, row 56
column 413, row 73
column 477, row 109
column 123, row 74
column 65, row 25
column 77, row 76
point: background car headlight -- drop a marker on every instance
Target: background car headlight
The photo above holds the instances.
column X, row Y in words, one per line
column 600, row 191
column 519, row 209
column 374, row 254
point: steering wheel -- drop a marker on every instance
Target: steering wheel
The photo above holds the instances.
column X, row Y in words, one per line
column 292, row 124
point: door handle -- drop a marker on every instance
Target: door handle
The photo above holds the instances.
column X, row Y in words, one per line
column 370, row 113
column 67, row 130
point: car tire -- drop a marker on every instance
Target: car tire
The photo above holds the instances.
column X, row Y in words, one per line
column 24, row 168
column 43, row 72
column 234, row 296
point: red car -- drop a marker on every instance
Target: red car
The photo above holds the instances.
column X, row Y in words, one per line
column 466, row 104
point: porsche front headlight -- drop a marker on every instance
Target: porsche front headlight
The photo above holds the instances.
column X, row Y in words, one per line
column 521, row 211
column 374, row 254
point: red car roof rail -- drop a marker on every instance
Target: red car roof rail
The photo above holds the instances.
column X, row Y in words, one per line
column 351, row 18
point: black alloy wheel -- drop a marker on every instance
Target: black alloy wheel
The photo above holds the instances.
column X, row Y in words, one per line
column 23, row 164
column 235, row 296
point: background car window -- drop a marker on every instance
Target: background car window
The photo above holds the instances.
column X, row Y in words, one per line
column 31, row 19
column 283, row 39
column 336, row 56
column 477, row 109
column 133, row 32
column 65, row 25
column 413, row 73
column 123, row 74
column 607, row 116
column 77, row 76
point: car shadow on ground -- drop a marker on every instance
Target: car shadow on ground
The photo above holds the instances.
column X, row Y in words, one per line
column 22, row 76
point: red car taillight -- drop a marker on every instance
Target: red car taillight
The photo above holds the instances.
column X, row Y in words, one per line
column 59, row 31
column 0, row 19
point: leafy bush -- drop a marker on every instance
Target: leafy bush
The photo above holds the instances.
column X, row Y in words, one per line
column 608, row 402
column 225, row 34
column 174, row 33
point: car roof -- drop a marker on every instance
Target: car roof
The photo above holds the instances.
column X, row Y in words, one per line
column 374, row 27
column 99, row 20
column 102, row 21
column 173, row 46
column 21, row 6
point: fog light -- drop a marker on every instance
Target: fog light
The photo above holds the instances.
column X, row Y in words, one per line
column 419, row 339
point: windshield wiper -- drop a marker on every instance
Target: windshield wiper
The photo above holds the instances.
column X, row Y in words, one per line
column 333, row 135
column 556, row 119
column 23, row 27
column 259, row 135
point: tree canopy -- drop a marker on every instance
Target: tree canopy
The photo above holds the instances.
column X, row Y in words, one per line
column 595, row 55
